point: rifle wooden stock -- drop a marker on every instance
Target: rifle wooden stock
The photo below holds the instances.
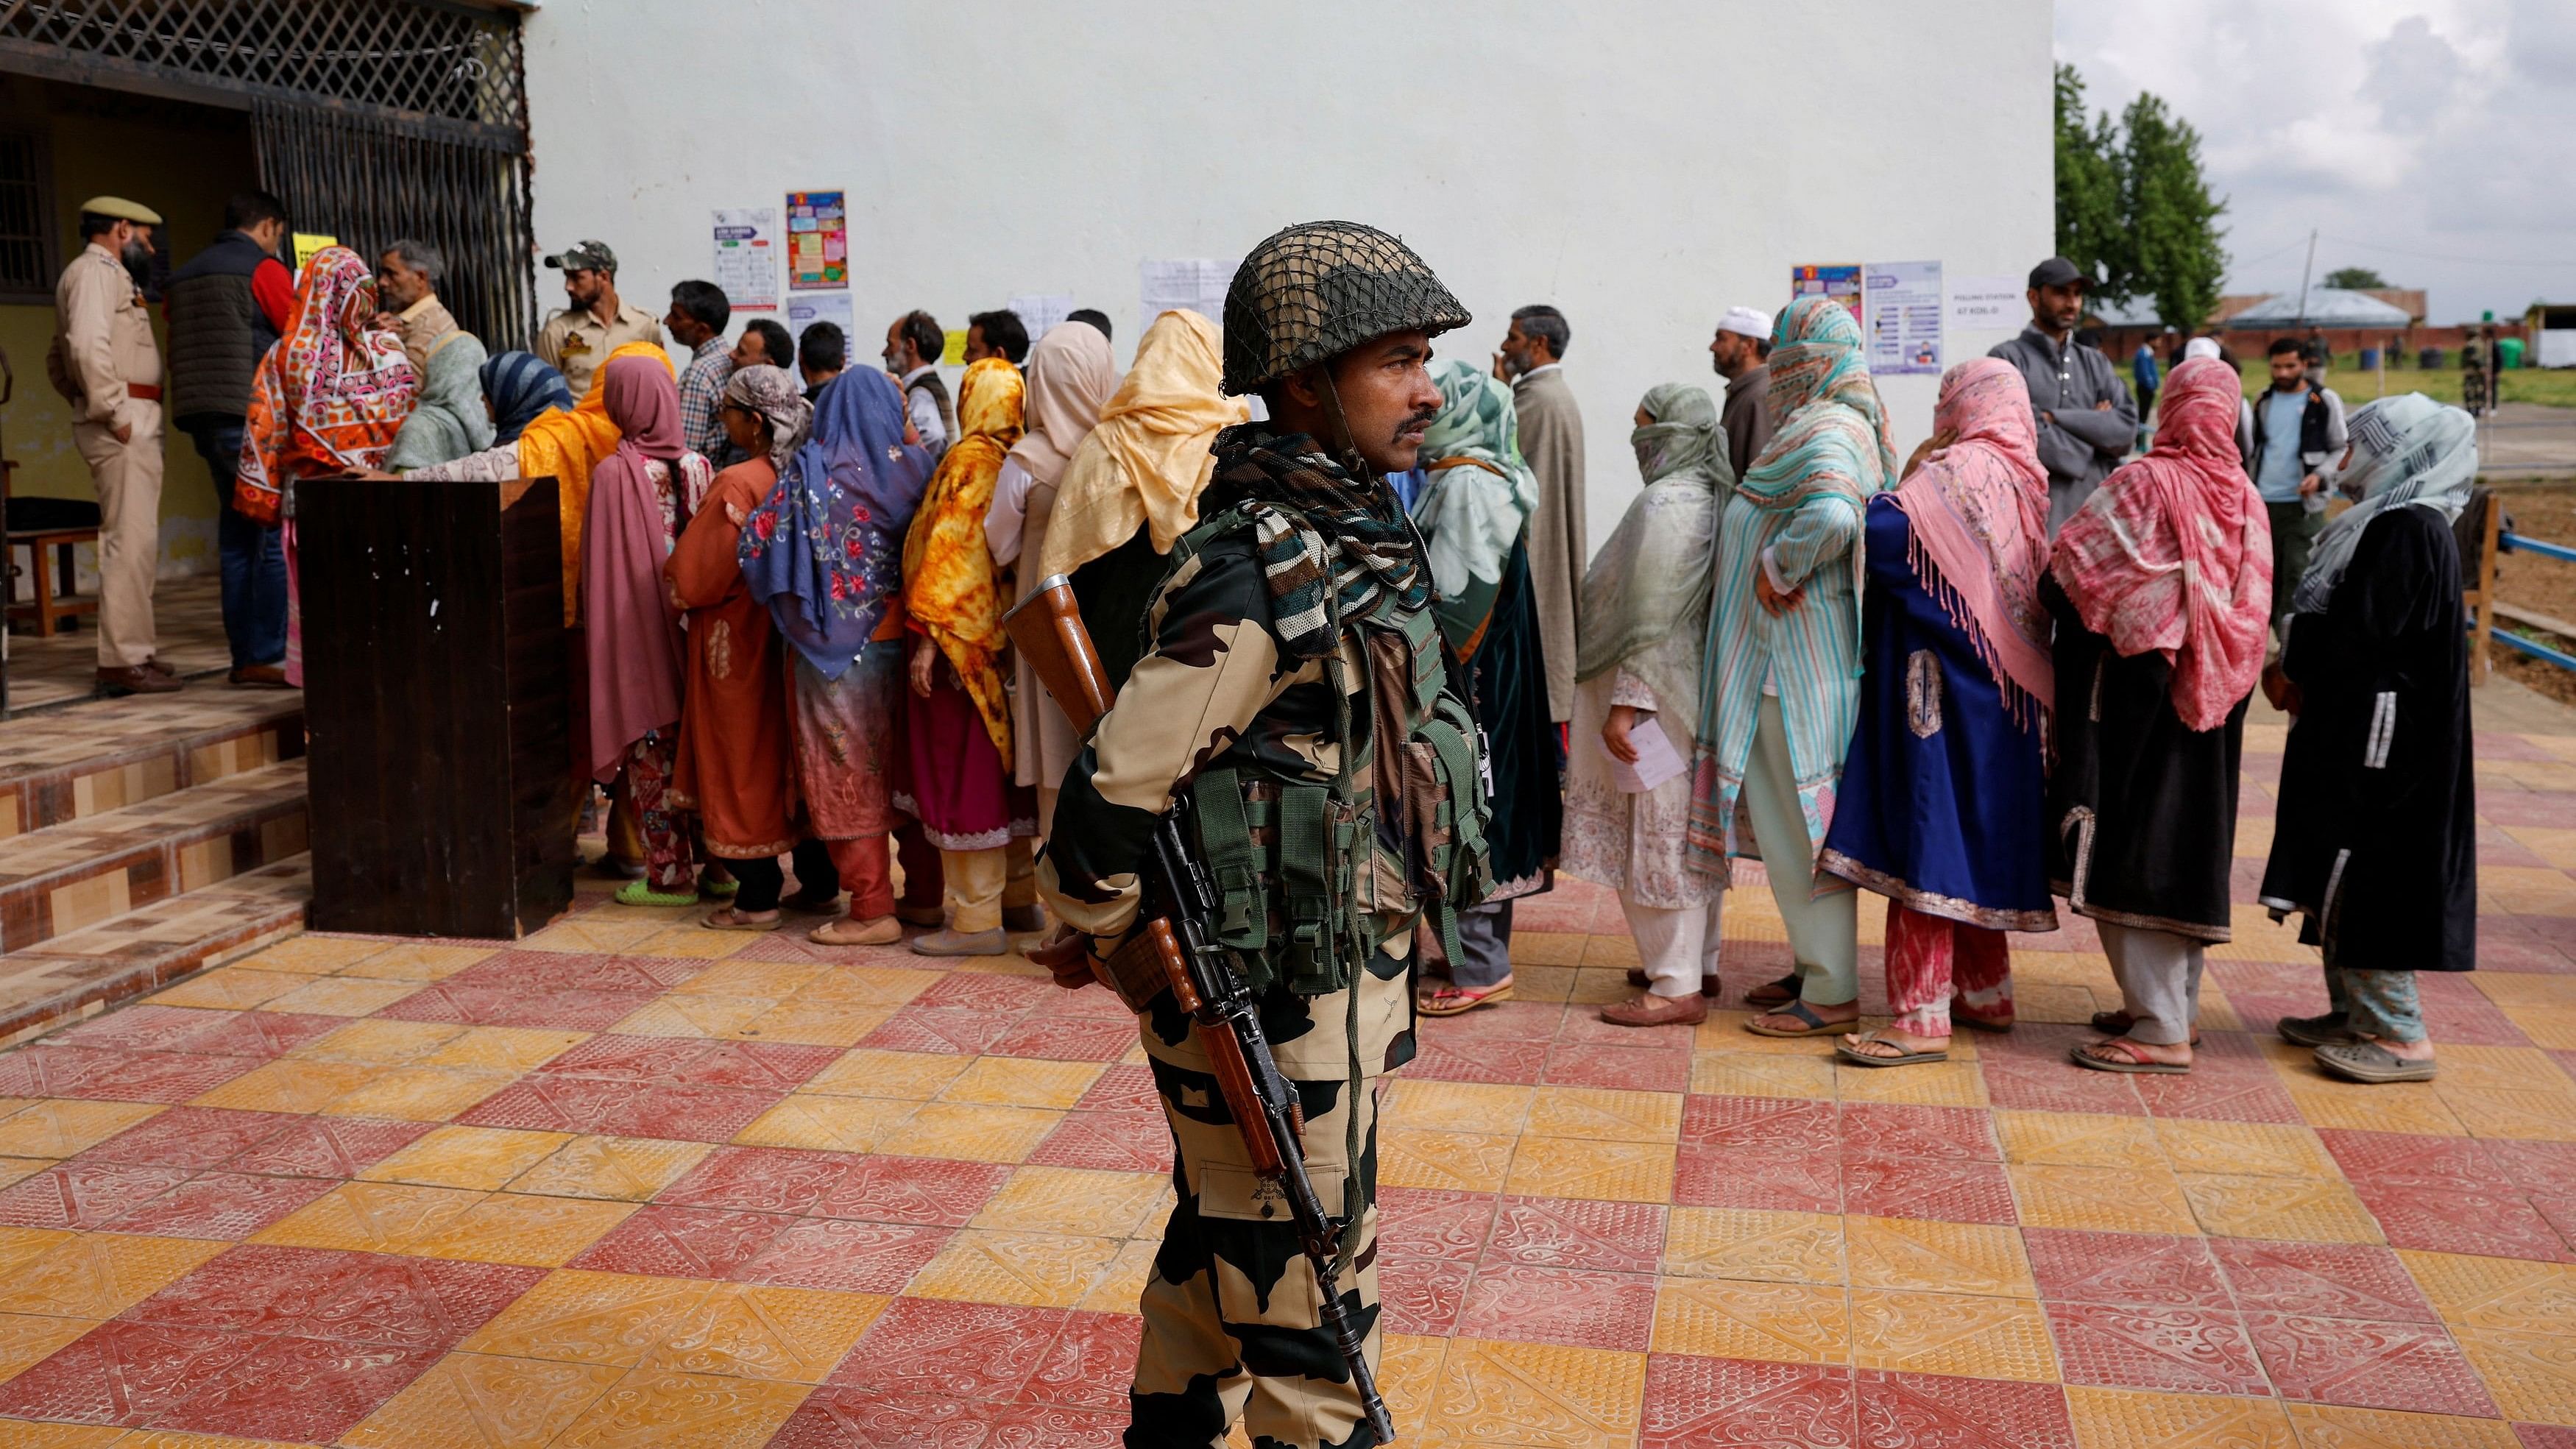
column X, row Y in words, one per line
column 1225, row 1055
column 1047, row 627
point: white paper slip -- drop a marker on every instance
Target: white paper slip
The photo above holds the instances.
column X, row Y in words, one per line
column 1657, row 760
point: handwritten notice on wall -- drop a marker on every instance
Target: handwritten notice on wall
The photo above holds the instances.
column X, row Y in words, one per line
column 1191, row 284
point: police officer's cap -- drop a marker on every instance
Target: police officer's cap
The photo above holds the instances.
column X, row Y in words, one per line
column 584, row 256
column 120, row 209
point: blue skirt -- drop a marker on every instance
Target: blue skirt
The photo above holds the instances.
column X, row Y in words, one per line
column 1943, row 799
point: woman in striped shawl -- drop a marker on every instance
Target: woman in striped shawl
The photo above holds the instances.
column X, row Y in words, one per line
column 1784, row 652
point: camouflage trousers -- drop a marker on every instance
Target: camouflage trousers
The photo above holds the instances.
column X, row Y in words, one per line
column 1233, row 1320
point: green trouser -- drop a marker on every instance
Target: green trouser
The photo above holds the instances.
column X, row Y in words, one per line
column 1822, row 911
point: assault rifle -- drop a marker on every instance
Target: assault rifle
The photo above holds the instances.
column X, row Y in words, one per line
column 1176, row 951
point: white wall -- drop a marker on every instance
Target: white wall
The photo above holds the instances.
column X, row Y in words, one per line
column 1642, row 164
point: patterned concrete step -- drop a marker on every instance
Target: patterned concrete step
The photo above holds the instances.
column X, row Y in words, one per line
column 89, row 870
column 85, row 972
column 111, row 753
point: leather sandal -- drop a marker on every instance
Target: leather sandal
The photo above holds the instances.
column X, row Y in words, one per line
column 1771, row 995
column 1815, row 1025
column 1709, row 985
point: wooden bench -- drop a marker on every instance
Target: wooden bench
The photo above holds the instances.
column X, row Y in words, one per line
column 54, row 607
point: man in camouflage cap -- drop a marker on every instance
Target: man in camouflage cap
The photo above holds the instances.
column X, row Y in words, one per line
column 1292, row 688
column 578, row 338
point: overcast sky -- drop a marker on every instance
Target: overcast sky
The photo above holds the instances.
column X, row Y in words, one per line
column 2432, row 140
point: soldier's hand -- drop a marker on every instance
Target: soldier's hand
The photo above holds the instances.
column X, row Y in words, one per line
column 1067, row 957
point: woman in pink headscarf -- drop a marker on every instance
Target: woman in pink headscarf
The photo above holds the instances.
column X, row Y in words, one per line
column 2163, row 605
column 641, row 497
column 1944, row 787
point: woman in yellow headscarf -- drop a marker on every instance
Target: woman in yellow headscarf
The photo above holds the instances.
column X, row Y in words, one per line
column 1133, row 486
column 957, row 720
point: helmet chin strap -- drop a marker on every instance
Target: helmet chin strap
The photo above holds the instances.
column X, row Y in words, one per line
column 1349, row 445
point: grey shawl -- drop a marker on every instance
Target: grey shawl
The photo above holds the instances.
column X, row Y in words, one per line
column 449, row 420
column 1552, row 441
column 1650, row 583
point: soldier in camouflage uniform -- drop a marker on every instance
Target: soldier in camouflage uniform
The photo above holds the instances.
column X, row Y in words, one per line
column 1291, row 682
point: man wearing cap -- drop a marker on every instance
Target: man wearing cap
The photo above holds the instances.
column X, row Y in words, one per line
column 104, row 363
column 1741, row 353
column 578, row 338
column 1293, row 678
column 2087, row 420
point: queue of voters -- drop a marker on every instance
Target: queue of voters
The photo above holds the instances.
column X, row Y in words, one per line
column 1335, row 570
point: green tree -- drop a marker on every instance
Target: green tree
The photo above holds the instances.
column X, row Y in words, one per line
column 2358, row 279
column 2089, row 229
column 2169, row 216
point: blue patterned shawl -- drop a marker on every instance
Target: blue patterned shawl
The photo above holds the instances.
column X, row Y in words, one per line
column 825, row 550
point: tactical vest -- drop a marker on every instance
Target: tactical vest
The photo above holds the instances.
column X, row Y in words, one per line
column 1306, row 870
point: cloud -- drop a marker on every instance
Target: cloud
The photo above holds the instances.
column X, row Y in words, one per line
column 2430, row 139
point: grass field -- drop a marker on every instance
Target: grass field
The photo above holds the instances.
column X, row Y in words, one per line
column 2554, row 387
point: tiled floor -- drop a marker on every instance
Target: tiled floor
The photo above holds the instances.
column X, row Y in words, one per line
column 188, row 613
column 633, row 1182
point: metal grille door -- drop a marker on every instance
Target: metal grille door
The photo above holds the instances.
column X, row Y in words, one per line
column 375, row 119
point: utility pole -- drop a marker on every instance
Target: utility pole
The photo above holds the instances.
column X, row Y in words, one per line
column 2304, row 273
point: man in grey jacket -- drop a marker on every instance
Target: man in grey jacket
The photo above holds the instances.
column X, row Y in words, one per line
column 2087, row 420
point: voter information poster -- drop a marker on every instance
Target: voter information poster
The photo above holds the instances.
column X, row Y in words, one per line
column 1838, row 280
column 1901, row 316
column 833, row 307
column 746, row 257
column 818, row 241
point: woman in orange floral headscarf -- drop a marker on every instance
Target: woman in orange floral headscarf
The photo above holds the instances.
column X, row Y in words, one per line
column 957, row 719
column 328, row 399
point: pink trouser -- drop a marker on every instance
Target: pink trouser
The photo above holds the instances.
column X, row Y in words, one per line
column 1931, row 959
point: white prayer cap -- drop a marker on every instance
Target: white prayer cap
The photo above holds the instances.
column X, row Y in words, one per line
column 1747, row 322
column 2200, row 347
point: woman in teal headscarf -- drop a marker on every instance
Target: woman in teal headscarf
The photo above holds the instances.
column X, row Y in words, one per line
column 1474, row 511
column 1783, row 658
column 1645, row 619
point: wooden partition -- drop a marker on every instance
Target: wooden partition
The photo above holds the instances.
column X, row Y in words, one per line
column 437, row 705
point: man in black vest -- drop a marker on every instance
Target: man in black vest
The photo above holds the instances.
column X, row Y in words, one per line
column 227, row 307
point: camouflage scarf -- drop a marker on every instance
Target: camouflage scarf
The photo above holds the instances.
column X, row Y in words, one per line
column 1315, row 526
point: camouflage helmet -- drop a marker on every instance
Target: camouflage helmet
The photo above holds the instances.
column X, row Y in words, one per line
column 1319, row 289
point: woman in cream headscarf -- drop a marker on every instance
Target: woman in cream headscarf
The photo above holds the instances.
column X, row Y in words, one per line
column 1133, row 486
column 1645, row 620
column 1070, row 379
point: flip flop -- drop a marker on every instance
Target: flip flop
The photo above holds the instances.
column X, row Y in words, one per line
column 1996, row 1024
column 2117, row 1023
column 1458, row 1000
column 1815, row 1025
column 1771, row 995
column 1907, row 1055
column 739, row 922
column 2368, row 1061
column 641, row 893
column 2082, row 1055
